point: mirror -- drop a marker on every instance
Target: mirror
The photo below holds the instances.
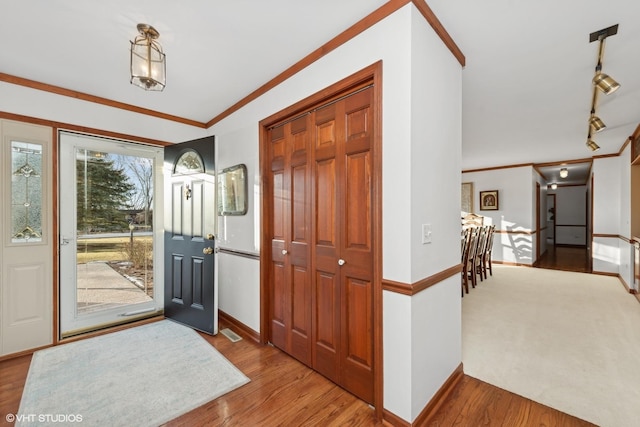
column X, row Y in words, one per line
column 232, row 190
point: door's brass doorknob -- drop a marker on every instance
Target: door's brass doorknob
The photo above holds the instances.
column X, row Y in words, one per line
column 207, row 251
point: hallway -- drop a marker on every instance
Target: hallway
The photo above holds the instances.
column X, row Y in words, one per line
column 567, row 258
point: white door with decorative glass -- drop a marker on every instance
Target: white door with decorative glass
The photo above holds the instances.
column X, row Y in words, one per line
column 26, row 266
column 110, row 232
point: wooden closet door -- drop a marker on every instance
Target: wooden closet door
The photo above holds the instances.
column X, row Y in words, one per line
column 343, row 253
column 290, row 282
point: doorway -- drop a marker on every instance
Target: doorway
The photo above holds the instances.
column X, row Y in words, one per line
column 551, row 219
column 109, row 225
column 320, row 279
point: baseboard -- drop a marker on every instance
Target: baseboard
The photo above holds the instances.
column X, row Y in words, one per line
column 624, row 282
column 434, row 404
column 244, row 329
column 440, row 397
column 605, row 273
column 389, row 418
column 28, row 352
column 86, row 335
column 626, row 285
column 514, row 264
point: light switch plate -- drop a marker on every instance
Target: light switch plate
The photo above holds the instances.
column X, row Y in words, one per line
column 426, row 233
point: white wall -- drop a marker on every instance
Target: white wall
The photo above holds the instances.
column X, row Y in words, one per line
column 571, row 215
column 607, row 213
column 514, row 238
column 420, row 145
column 44, row 105
column 626, row 249
column 436, row 151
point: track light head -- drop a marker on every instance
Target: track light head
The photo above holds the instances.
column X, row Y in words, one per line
column 591, row 144
column 605, row 83
column 596, row 123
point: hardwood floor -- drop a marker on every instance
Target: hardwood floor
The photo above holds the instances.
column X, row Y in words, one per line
column 568, row 258
column 476, row 403
column 283, row 392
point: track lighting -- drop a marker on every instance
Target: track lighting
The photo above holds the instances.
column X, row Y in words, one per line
column 564, row 172
column 601, row 82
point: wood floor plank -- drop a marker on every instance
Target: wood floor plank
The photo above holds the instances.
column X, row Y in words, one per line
column 567, row 258
column 284, row 392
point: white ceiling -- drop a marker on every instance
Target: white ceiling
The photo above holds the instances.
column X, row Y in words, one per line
column 526, row 83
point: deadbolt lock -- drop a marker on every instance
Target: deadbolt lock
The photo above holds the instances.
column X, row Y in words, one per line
column 210, row 236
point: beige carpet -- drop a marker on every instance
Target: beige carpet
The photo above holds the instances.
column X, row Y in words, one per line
column 567, row 340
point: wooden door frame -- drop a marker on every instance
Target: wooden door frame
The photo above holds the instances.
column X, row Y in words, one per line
column 369, row 75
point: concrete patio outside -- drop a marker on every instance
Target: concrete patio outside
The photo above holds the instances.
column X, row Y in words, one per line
column 100, row 287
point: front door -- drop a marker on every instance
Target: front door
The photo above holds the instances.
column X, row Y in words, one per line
column 190, row 217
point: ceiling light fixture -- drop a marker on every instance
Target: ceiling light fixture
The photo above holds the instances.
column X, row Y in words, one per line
column 605, row 83
column 564, row 172
column 596, row 123
column 148, row 62
column 591, row 144
column 554, row 186
column 601, row 82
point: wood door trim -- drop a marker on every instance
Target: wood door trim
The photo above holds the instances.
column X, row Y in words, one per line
column 419, row 286
column 368, row 75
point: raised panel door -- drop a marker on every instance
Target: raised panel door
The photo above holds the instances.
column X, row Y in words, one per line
column 290, row 286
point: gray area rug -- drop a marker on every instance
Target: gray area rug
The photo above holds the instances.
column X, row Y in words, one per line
column 567, row 340
column 143, row 376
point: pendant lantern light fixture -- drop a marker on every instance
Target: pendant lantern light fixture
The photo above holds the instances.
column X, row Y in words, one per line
column 148, row 61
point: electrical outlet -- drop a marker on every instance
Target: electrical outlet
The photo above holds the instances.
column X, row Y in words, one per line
column 426, row 233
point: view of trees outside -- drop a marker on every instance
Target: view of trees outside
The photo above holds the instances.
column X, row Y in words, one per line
column 140, row 173
column 113, row 192
column 115, row 214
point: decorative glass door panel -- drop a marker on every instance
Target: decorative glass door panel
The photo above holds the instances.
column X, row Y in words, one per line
column 26, row 192
column 108, row 233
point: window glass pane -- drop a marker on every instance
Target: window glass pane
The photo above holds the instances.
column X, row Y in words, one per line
column 114, row 229
column 188, row 163
column 26, row 192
